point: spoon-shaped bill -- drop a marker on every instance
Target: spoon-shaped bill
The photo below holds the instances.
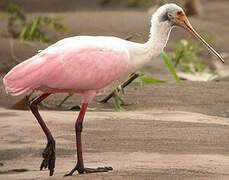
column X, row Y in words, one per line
column 183, row 22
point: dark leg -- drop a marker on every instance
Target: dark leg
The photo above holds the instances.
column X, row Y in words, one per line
column 49, row 152
column 80, row 165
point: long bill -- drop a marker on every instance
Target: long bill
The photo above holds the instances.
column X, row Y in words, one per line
column 183, row 22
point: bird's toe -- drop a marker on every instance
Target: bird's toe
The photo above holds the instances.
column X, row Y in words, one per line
column 49, row 157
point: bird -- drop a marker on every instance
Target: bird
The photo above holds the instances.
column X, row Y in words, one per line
column 86, row 65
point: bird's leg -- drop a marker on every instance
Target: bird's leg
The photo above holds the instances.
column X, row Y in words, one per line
column 49, row 152
column 80, row 165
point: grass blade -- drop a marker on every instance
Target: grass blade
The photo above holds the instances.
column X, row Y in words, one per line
column 24, row 33
column 34, row 26
column 117, row 102
column 65, row 99
column 148, row 80
column 170, row 66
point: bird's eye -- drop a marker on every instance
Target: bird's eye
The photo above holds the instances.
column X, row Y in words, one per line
column 170, row 15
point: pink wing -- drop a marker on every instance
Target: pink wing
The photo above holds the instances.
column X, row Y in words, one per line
column 71, row 69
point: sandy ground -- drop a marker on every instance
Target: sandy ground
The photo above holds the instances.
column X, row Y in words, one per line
column 138, row 145
column 168, row 131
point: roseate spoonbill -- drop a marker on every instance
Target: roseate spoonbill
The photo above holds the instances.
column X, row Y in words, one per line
column 86, row 65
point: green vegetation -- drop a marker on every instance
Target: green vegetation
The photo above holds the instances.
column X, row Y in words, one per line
column 170, row 66
column 36, row 30
column 117, row 105
column 142, row 79
column 184, row 57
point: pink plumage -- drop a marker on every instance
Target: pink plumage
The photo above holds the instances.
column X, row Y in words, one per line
column 65, row 68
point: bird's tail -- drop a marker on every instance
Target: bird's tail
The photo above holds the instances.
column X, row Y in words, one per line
column 22, row 78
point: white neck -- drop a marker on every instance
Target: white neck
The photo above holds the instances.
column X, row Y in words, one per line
column 159, row 35
column 142, row 54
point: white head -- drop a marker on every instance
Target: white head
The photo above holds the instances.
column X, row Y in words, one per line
column 167, row 14
column 173, row 15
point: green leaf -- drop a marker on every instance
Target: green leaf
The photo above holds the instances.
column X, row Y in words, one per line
column 150, row 80
column 65, row 27
column 21, row 16
column 99, row 109
column 117, row 101
column 59, row 27
column 34, row 26
column 186, row 68
column 47, row 21
column 15, row 10
column 59, row 19
column 36, row 30
column 24, row 33
column 147, row 80
column 170, row 66
column 11, row 8
column 142, row 71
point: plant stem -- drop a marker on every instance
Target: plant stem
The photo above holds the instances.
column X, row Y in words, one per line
column 65, row 99
column 123, row 85
column 178, row 58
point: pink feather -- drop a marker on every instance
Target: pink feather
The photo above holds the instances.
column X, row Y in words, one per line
column 57, row 69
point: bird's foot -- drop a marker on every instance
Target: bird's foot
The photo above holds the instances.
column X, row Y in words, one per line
column 82, row 170
column 49, row 155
